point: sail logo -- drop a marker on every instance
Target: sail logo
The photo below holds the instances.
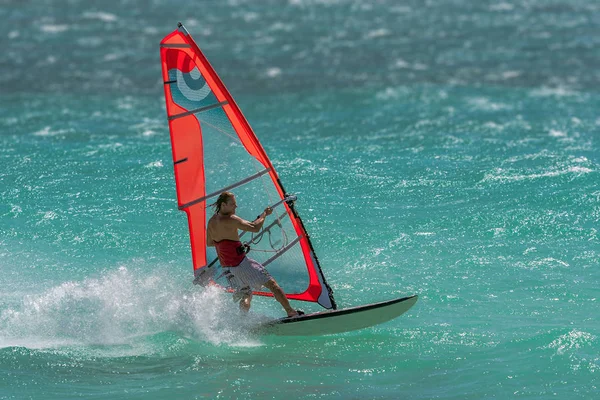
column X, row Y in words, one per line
column 191, row 85
column 190, row 90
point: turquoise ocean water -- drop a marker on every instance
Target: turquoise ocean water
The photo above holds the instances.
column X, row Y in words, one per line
column 444, row 148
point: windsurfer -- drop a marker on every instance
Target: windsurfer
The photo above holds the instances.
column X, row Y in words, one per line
column 244, row 274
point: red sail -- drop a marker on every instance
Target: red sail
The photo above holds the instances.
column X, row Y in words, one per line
column 214, row 149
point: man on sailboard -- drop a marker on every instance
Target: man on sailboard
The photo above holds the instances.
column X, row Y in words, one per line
column 243, row 273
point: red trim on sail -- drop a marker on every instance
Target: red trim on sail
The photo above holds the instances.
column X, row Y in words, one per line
column 187, row 143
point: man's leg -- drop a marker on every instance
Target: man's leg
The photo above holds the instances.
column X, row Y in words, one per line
column 245, row 302
column 280, row 297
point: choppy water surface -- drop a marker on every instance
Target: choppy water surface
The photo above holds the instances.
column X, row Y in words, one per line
column 447, row 148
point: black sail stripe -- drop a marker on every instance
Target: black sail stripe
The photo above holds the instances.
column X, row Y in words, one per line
column 197, row 110
column 180, row 161
column 280, row 253
column 225, row 189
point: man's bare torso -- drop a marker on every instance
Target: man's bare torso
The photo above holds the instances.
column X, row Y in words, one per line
column 223, row 227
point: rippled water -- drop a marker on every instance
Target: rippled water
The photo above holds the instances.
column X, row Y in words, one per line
column 444, row 148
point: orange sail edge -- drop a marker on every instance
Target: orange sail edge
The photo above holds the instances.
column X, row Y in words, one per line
column 180, row 57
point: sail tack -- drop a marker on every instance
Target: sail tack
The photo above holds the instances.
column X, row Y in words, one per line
column 214, row 150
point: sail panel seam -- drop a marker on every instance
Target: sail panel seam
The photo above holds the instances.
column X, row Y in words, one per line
column 227, row 188
column 197, row 110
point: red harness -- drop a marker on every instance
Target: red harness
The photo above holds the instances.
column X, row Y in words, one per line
column 230, row 252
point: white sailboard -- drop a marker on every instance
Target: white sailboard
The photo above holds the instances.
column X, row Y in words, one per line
column 338, row 321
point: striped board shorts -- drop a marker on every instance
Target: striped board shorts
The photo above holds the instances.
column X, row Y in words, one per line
column 249, row 275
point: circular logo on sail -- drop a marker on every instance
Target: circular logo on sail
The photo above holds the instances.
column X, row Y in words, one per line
column 189, row 89
column 192, row 85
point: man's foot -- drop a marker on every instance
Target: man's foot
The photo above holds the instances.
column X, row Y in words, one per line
column 295, row 313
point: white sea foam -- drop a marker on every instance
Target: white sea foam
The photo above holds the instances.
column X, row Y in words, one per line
column 549, row 262
column 556, row 133
column 149, row 132
column 493, row 126
column 483, row 103
column 151, row 30
column 148, row 126
column 534, row 156
column 112, row 57
column 501, row 7
column 391, row 93
column 101, row 16
column 377, row 33
column 273, row 72
column 281, row 26
column 155, row 164
column 15, row 210
column 50, row 28
column 48, row 131
column 400, row 63
column 511, row 74
column 501, row 175
column 557, row 92
column 47, row 216
column 111, row 146
column 119, row 307
column 90, row 41
column 573, row 340
column 125, row 103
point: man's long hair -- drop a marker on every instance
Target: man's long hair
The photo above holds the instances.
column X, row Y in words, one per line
column 223, row 198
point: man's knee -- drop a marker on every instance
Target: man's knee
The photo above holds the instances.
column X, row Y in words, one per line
column 271, row 284
column 242, row 293
column 246, row 299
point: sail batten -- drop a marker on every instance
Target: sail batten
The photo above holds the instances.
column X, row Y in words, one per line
column 213, row 144
column 175, row 46
column 180, row 161
column 226, row 188
column 197, row 111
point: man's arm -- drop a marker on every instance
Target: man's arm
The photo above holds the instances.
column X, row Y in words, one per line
column 253, row 226
column 244, row 225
